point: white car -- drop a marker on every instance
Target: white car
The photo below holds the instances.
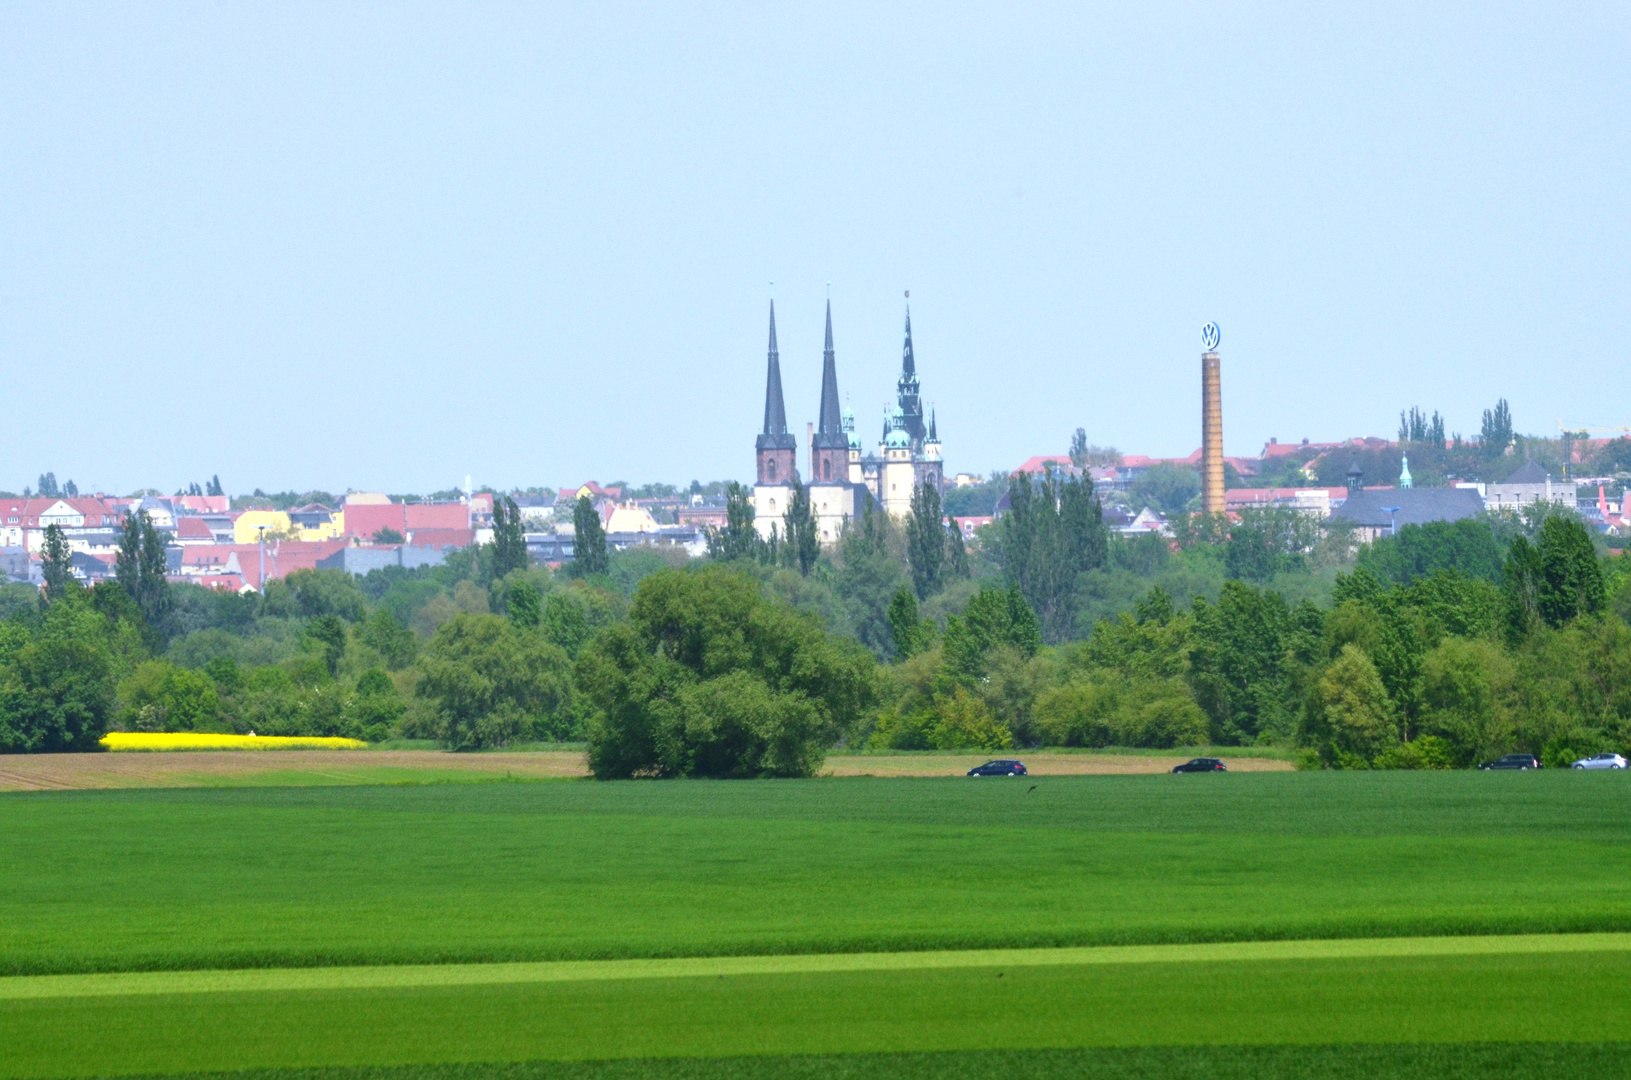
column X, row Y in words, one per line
column 1601, row 761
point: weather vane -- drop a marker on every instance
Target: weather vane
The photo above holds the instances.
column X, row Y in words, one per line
column 1210, row 336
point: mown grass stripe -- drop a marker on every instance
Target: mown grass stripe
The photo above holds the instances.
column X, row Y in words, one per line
column 27, row 987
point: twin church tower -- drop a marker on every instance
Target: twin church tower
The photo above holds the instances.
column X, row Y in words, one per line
column 842, row 479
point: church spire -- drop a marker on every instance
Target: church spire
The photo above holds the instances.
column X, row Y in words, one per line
column 829, row 445
column 775, row 409
column 831, row 419
column 908, row 362
column 934, row 436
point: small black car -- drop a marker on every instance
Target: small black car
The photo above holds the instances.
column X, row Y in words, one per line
column 1513, row 761
column 1201, row 764
column 1003, row 767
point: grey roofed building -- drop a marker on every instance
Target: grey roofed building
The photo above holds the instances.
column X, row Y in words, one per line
column 1416, row 506
column 1529, row 484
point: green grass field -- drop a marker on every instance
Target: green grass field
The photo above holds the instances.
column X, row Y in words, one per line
column 783, row 884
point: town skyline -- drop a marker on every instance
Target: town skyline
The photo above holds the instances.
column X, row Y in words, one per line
column 387, row 250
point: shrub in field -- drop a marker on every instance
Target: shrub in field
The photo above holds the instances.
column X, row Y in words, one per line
column 160, row 696
column 710, row 678
column 1427, row 752
column 959, row 720
column 1108, row 710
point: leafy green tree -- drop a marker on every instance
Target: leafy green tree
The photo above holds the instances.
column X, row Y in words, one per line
column 389, row 535
column 525, row 605
column 956, row 552
column 912, row 633
column 1053, row 531
column 1554, row 580
column 160, row 696
column 1467, row 689
column 739, row 538
column 142, row 570
column 306, row 594
column 710, row 678
column 1349, row 718
column 327, row 636
column 1240, row 661
column 1078, row 448
column 1166, row 488
column 1269, row 540
column 1468, row 547
column 869, row 573
column 589, row 554
column 994, row 618
column 803, row 541
column 1496, row 434
column 384, row 633
column 926, row 541
column 57, row 565
column 565, row 624
column 509, row 542
column 492, row 684
column 57, row 695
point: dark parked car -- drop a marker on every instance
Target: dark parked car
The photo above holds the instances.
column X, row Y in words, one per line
column 1513, row 761
column 1201, row 764
column 1003, row 767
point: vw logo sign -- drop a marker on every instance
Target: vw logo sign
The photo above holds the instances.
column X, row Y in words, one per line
column 1210, row 336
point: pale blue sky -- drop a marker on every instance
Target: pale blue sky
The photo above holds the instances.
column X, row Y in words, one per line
column 383, row 246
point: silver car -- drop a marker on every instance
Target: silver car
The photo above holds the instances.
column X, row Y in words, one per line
column 1601, row 761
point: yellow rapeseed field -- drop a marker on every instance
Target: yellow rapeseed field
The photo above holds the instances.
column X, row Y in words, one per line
column 187, row 740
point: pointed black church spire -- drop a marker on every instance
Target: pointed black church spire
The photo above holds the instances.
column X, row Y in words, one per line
column 775, row 435
column 908, row 362
column 934, row 436
column 831, row 421
column 906, row 387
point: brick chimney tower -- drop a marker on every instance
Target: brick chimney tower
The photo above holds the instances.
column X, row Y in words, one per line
column 1211, row 423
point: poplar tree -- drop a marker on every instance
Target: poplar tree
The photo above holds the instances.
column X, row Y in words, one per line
column 926, row 541
column 56, row 562
column 589, row 554
column 1053, row 531
column 803, row 542
column 509, row 543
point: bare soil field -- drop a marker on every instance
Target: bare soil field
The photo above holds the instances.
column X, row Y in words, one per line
column 218, row 768
column 211, row 768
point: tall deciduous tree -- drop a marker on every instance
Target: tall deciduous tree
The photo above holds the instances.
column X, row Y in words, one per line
column 739, row 539
column 1553, row 580
column 1053, row 531
column 1496, row 433
column 509, row 543
column 925, row 541
column 956, row 551
column 911, row 632
column 803, row 542
column 56, row 564
column 589, row 554
column 142, row 569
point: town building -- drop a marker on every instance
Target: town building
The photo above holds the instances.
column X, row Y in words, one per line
column 1373, row 513
column 1528, row 485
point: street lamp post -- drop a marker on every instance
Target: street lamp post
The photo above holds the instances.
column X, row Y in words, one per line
column 262, row 530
